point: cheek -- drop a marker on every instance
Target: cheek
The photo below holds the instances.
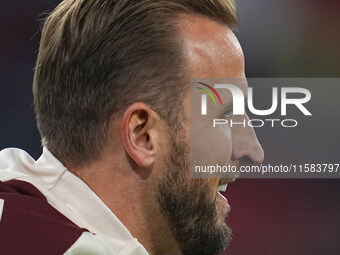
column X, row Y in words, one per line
column 212, row 146
column 222, row 140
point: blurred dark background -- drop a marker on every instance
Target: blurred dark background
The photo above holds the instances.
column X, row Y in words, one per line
column 280, row 38
column 291, row 38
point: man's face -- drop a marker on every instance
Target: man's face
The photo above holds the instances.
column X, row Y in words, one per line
column 194, row 208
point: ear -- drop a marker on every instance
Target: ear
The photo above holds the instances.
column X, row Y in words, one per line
column 137, row 131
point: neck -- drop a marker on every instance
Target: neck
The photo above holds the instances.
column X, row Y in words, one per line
column 132, row 199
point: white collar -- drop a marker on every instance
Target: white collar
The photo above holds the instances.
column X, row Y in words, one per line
column 73, row 198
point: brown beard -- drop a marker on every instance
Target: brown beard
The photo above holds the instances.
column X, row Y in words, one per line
column 186, row 204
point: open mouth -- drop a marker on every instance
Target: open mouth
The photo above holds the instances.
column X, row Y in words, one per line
column 223, row 184
column 222, row 202
column 222, row 187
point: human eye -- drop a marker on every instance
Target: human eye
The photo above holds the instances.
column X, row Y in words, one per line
column 229, row 114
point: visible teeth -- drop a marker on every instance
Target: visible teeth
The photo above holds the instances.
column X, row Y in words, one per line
column 222, row 188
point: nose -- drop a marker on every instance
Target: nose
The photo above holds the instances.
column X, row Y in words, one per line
column 245, row 142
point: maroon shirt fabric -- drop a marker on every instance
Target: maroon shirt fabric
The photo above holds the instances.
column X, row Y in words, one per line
column 30, row 225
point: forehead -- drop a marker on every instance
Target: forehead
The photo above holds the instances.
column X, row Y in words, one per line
column 212, row 51
column 211, row 48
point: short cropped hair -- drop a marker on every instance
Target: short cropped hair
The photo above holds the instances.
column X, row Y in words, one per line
column 97, row 57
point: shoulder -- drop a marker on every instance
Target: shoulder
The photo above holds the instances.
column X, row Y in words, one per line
column 44, row 209
column 30, row 225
